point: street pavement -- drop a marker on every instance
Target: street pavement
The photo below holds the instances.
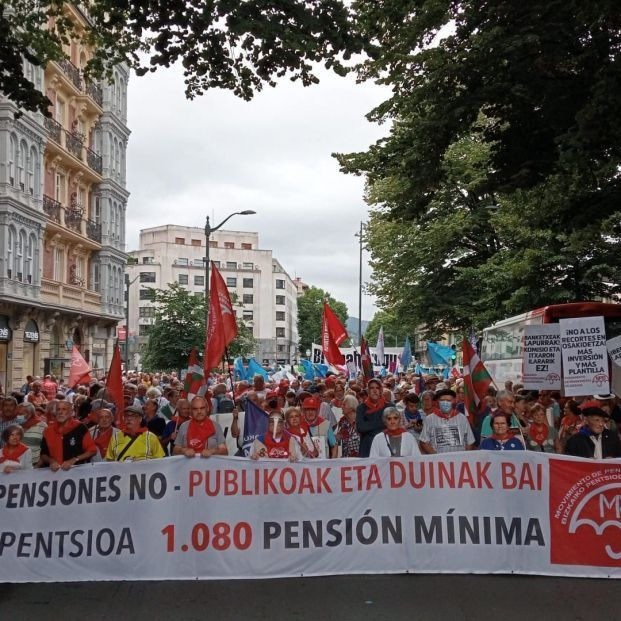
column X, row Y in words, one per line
column 340, row 598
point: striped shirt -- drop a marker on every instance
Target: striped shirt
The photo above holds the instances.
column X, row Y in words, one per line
column 32, row 439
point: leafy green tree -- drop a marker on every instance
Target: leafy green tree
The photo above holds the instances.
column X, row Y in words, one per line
column 310, row 313
column 494, row 191
column 179, row 326
column 239, row 46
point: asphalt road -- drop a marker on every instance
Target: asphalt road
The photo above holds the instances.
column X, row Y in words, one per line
column 340, row 598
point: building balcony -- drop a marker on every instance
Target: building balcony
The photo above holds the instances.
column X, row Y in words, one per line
column 54, row 129
column 71, row 71
column 73, row 218
column 93, row 231
column 71, row 296
column 94, row 160
column 74, row 143
column 52, row 208
column 94, row 91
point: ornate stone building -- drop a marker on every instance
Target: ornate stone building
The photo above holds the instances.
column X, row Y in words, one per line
column 62, row 220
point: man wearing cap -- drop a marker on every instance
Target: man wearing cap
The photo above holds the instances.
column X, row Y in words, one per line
column 594, row 440
column 200, row 435
column 276, row 443
column 319, row 428
column 608, row 404
column 135, row 442
column 445, row 430
column 370, row 415
column 67, row 442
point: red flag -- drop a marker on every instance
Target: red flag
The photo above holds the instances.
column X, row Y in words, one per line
column 222, row 328
column 365, row 361
column 79, row 372
column 476, row 380
column 114, row 385
column 332, row 335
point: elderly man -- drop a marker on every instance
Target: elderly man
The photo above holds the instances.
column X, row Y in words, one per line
column 370, row 415
column 506, row 404
column 200, row 435
column 594, row 440
column 36, row 396
column 103, row 432
column 134, row 443
column 33, row 426
column 155, row 422
column 67, row 442
column 319, row 428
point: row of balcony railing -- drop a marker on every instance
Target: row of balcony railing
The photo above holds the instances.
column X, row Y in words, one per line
column 93, row 90
column 72, row 218
column 74, row 143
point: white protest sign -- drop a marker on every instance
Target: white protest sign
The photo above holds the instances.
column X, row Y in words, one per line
column 585, row 358
column 614, row 349
column 542, row 357
column 391, row 355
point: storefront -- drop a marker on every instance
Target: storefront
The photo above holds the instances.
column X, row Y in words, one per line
column 31, row 341
column 6, row 335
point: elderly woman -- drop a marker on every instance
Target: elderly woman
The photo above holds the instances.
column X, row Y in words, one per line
column 541, row 436
column 276, row 443
column 501, row 439
column 15, row 455
column 346, row 433
column 299, row 431
column 394, row 441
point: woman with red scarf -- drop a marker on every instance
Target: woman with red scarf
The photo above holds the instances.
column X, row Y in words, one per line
column 541, row 436
column 299, row 431
column 395, row 441
column 501, row 439
column 570, row 423
column 370, row 416
column 200, row 435
column 15, row 455
column 276, row 443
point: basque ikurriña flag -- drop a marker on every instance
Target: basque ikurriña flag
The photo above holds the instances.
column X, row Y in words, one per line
column 194, row 376
column 476, row 379
column 222, row 328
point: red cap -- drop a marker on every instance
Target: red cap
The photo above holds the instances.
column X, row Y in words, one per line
column 273, row 394
column 311, row 403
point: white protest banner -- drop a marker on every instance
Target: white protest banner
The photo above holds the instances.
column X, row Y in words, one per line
column 224, row 517
column 614, row 349
column 585, row 358
column 391, row 355
column 541, row 360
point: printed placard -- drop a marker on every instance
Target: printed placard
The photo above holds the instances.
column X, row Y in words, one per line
column 541, row 369
column 614, row 349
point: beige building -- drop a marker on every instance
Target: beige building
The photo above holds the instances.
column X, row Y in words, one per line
column 266, row 294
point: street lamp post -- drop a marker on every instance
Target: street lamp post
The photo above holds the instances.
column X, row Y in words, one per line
column 360, row 289
column 128, row 283
column 208, row 231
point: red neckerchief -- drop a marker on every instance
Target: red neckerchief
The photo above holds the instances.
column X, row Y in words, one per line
column 199, row 433
column 300, row 431
column 31, row 422
column 317, row 422
column 102, row 440
column 452, row 414
column 70, row 425
column 337, row 403
column 13, row 453
column 374, row 407
column 276, row 450
column 538, row 433
column 395, row 432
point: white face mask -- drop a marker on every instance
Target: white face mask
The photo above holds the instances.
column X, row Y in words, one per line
column 445, row 406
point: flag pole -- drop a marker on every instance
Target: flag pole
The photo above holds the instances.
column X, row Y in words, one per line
column 226, row 354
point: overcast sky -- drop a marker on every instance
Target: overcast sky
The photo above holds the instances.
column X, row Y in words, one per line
column 218, row 154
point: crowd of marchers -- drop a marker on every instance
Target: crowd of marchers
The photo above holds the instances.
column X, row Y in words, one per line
column 45, row 425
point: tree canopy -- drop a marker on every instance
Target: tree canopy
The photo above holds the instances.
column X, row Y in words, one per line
column 239, row 46
column 179, row 326
column 497, row 187
column 310, row 313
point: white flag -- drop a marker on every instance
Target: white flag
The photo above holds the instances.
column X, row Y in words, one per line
column 379, row 348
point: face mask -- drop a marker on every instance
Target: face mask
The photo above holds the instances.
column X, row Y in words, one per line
column 445, row 406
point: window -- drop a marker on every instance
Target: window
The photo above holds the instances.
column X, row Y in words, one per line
column 146, row 311
column 183, row 279
column 246, row 246
column 196, row 242
column 22, row 246
column 229, row 245
column 248, row 283
column 10, row 252
column 21, row 165
column 60, row 188
column 96, row 209
column 248, row 298
column 199, row 281
column 281, row 348
column 280, row 284
column 29, row 269
column 247, row 315
column 146, row 294
column 148, row 260
column 180, row 241
column 96, row 277
column 280, row 333
column 231, row 282
column 231, row 265
column 213, row 244
column 59, row 111
column 32, row 160
column 147, row 276
column 280, row 300
column 58, row 264
column 12, row 160
column 248, row 266
column 181, row 261
column 280, row 315
column 143, row 330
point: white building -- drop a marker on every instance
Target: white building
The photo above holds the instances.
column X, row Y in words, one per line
column 266, row 294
